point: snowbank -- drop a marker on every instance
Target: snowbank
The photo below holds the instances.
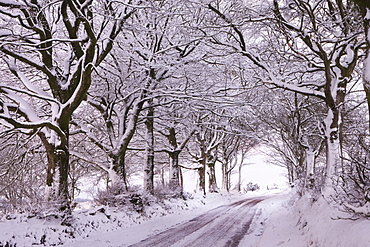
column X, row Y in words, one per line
column 326, row 226
column 287, row 221
column 274, row 225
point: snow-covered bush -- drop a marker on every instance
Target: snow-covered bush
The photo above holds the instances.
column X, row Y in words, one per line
column 47, row 229
column 135, row 200
column 251, row 187
column 110, row 198
column 21, row 174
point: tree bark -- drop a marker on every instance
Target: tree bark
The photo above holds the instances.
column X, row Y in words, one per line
column 366, row 69
column 212, row 187
column 310, row 168
column 202, row 178
column 175, row 181
column 203, row 165
column 332, row 131
column 118, row 174
column 149, row 150
column 175, row 185
column 67, row 78
column 62, row 162
column 225, row 177
column 240, row 176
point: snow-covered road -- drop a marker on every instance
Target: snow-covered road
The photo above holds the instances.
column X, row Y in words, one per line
column 223, row 226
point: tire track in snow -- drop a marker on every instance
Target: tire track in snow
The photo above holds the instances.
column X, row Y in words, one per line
column 223, row 226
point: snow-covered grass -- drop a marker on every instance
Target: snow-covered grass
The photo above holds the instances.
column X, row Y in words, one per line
column 104, row 225
column 283, row 219
column 288, row 221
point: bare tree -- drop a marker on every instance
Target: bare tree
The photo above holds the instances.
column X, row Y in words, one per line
column 177, row 131
column 304, row 38
column 52, row 50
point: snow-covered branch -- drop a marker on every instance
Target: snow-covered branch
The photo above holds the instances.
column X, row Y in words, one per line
column 82, row 157
column 84, row 129
column 271, row 78
column 32, row 93
column 35, row 125
column 26, row 60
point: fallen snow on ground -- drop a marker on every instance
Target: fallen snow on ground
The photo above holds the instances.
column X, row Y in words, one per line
column 106, row 226
column 288, row 221
column 274, row 225
column 282, row 220
column 131, row 235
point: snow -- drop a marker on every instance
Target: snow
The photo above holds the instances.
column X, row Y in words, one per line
column 273, row 225
column 281, row 220
column 104, row 226
column 303, row 90
column 325, row 225
column 9, row 2
column 367, row 17
column 288, row 221
column 23, row 105
column 128, row 236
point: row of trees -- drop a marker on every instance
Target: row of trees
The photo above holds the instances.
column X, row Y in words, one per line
column 114, row 88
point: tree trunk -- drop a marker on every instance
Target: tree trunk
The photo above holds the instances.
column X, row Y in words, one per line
column 181, row 179
column 366, row 71
column 310, row 181
column 117, row 174
column 332, row 128
column 175, row 182
column 310, row 169
column 163, row 181
column 62, row 162
column 240, row 177
column 202, row 178
column 203, row 163
column 226, row 170
column 149, row 164
column 291, row 171
column 212, row 187
column 335, row 92
column 175, row 185
column 57, row 187
column 50, row 188
column 228, row 181
column 225, row 180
